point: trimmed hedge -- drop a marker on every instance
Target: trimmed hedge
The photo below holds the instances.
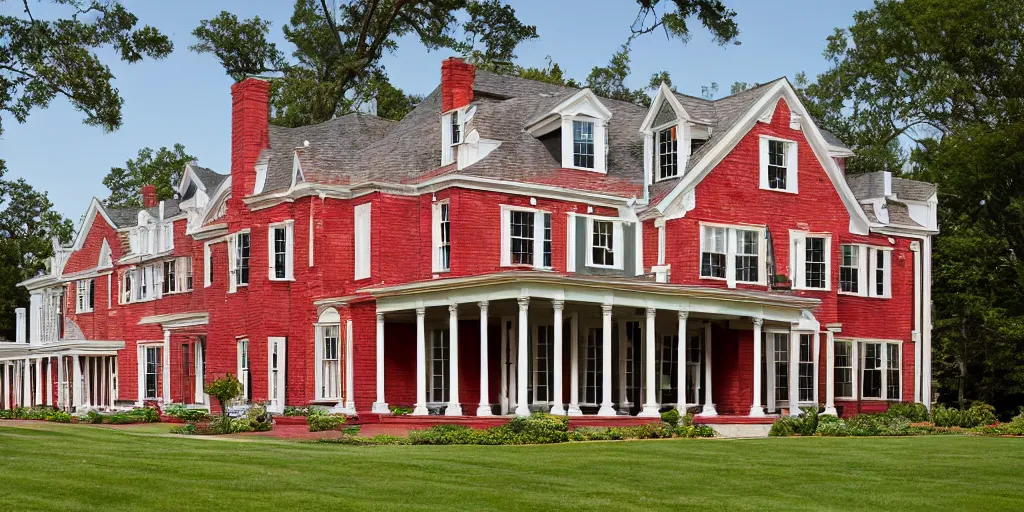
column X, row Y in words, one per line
column 901, row 419
column 320, row 421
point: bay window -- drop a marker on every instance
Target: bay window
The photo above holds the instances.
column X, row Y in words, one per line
column 525, row 237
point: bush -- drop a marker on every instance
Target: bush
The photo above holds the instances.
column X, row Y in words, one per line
column 59, row 417
column 783, row 427
column 256, row 419
column 93, row 417
column 979, row 414
column 671, row 417
column 291, row 410
column 400, row 411
column 535, row 429
column 913, row 412
column 321, row 421
column 1014, row 427
column 186, row 414
column 803, row 425
column 224, row 389
column 448, row 434
column 831, row 426
column 379, row 440
column 144, row 415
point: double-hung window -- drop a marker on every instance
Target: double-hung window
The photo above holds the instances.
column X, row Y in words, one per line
column 243, row 370
column 452, row 128
column 188, row 272
column 602, row 243
column 152, row 371
column 525, row 237
column 84, row 292
column 442, row 236
column 170, row 282
column 127, row 286
column 734, row 254
column 810, row 260
column 543, row 370
column 668, row 154
column 778, row 164
column 712, row 252
column 238, row 254
column 583, row 144
column 281, row 243
column 330, row 362
column 880, row 369
column 866, row 271
column 805, row 377
column 843, row 369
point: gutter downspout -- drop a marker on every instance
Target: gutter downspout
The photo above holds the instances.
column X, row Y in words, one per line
column 915, row 247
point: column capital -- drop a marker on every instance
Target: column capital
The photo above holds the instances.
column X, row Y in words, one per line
column 606, row 309
column 758, row 321
column 557, row 304
column 453, row 308
column 380, row 316
column 421, row 311
column 483, row 305
column 523, row 302
column 651, row 312
column 683, row 315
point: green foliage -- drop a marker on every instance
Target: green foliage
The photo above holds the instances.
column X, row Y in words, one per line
column 979, row 414
column 913, row 412
column 162, row 169
column 256, row 419
column 41, row 58
column 610, row 81
column 671, row 417
column 671, row 17
column 138, row 415
column 28, row 226
column 1014, row 427
column 831, row 426
column 535, row 429
column 449, row 434
column 186, row 414
column 804, row 425
column 224, row 390
column 93, row 417
column 292, row 410
column 378, row 440
column 320, row 421
column 400, row 411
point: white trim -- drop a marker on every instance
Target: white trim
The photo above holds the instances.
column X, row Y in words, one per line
column 363, row 240
column 798, row 263
column 289, row 251
column 731, row 237
column 792, row 169
column 538, row 237
column 617, row 249
column 436, row 264
column 276, row 402
column 207, row 263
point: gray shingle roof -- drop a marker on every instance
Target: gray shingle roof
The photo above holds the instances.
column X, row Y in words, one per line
column 871, row 185
column 211, row 180
column 129, row 217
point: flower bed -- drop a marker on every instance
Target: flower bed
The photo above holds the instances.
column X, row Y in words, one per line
column 902, row 419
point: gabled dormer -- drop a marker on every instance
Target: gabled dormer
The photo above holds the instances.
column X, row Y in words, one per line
column 578, row 128
column 671, row 135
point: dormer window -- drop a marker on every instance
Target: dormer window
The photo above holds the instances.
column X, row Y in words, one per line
column 452, row 128
column 668, row 158
column 583, row 144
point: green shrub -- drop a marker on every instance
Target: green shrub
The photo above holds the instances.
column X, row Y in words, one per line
column 379, row 440
column 1014, row 427
column 783, row 427
column 979, row 414
column 144, row 415
column 400, row 411
column 186, row 414
column 831, row 426
column 913, row 412
column 321, row 421
column 864, row 425
column 256, row 419
column 448, row 434
column 59, row 417
column 803, row 425
column 291, row 410
column 535, row 429
column 671, row 417
column 6, row 414
column 93, row 417
column 224, row 390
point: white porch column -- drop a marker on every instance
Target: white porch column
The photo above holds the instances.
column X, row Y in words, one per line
column 651, row 403
column 26, row 386
column 558, row 407
column 485, row 400
column 681, row 360
column 380, row 406
column 39, row 381
column 60, row 389
column 624, row 406
column 76, row 391
column 794, row 373
column 574, row 366
column 454, row 406
column 350, row 380
column 522, row 362
column 20, row 332
column 756, row 409
column 606, row 362
column 167, row 366
column 830, row 374
column 709, row 404
column 421, row 364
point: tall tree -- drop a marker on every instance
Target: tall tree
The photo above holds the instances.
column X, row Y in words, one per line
column 27, row 225
column 934, row 89
column 161, row 168
column 41, row 59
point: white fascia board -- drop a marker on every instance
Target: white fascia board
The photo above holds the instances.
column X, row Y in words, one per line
column 859, row 223
column 219, row 197
column 95, row 208
column 544, row 123
column 189, row 176
column 297, row 175
column 664, row 94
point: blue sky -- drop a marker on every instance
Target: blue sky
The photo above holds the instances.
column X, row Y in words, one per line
column 185, row 98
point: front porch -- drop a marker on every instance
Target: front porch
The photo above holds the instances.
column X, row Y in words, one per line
column 590, row 347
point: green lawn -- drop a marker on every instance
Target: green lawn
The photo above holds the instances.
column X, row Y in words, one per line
column 69, row 467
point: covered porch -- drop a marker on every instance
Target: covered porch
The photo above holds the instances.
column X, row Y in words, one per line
column 523, row 342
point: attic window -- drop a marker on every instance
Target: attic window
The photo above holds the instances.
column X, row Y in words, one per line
column 668, row 153
column 456, row 129
column 583, row 144
column 452, row 128
column 778, row 164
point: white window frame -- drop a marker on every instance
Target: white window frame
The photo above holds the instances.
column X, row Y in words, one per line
column 884, row 366
column 543, row 366
column 679, row 158
column 802, row 364
column 886, row 254
column 441, row 214
column 860, row 266
column 234, row 260
column 449, row 147
column 798, row 259
column 288, row 227
column 851, row 355
column 362, row 222
column 207, row 265
column 84, row 295
column 538, row 237
column 792, row 150
column 617, row 249
column 169, row 286
column 325, row 382
column 143, row 360
column 441, row 336
column 731, row 237
column 600, row 143
column 244, row 366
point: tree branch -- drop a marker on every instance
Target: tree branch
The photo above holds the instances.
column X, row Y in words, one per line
column 334, row 28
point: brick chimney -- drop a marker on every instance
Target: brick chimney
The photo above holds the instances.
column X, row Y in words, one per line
column 456, row 83
column 149, row 196
column 250, row 132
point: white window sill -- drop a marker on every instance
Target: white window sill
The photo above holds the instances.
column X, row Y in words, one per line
column 588, row 169
column 807, row 289
column 713, row 278
column 783, row 190
column 281, row 279
column 441, row 270
column 851, row 294
column 606, row 267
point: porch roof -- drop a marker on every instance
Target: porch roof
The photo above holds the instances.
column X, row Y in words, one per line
column 10, row 351
column 626, row 292
column 177, row 320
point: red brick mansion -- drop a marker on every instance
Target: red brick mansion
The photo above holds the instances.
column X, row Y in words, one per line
column 509, row 246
